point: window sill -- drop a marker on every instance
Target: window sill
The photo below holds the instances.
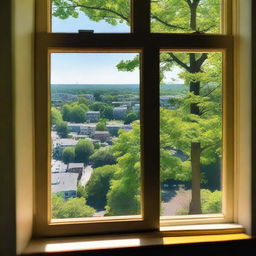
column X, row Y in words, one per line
column 196, row 234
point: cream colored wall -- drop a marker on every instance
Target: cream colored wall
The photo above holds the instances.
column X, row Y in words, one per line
column 24, row 133
column 243, row 113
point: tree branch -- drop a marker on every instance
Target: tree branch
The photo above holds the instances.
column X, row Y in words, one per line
column 179, row 62
column 207, row 94
column 76, row 5
column 189, row 3
column 208, row 146
column 167, row 24
column 200, row 61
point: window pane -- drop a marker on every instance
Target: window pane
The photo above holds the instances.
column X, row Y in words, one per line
column 100, row 16
column 186, row 16
column 191, row 133
column 95, row 114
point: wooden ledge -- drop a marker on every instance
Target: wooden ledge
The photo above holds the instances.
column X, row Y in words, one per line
column 124, row 242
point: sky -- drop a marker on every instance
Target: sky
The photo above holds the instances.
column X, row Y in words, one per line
column 92, row 68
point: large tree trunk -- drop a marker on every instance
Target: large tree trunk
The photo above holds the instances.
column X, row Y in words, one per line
column 195, row 204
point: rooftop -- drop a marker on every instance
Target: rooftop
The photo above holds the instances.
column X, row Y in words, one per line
column 64, row 182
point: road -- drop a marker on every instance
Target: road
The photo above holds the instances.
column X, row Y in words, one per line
column 86, row 175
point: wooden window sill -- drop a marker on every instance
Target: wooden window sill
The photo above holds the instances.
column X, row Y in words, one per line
column 197, row 234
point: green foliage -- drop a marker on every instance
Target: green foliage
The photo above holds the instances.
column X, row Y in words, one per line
column 74, row 112
column 68, row 155
column 123, row 197
column 103, row 156
column 62, row 129
column 131, row 116
column 82, row 192
column 56, row 116
column 83, row 150
column 112, row 12
column 211, row 201
column 106, row 110
column 72, row 208
column 101, row 125
column 174, row 16
column 98, row 185
column 77, row 114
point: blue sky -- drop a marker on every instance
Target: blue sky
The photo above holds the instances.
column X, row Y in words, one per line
column 91, row 68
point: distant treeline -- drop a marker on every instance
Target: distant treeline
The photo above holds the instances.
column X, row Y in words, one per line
column 166, row 89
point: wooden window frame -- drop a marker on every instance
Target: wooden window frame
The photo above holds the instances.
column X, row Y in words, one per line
column 150, row 45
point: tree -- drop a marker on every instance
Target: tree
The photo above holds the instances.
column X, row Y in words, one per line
column 98, row 186
column 68, row 155
column 101, row 125
column 77, row 114
column 83, row 150
column 123, row 197
column 72, row 208
column 201, row 124
column 62, row 129
column 66, row 111
column 131, row 116
column 107, row 112
column 56, row 116
column 101, row 157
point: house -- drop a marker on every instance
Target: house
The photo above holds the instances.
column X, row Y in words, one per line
column 102, row 136
column 136, row 107
column 64, row 143
column 119, row 113
column 75, row 167
column 65, row 183
column 113, row 128
column 74, row 127
column 93, row 116
column 87, row 129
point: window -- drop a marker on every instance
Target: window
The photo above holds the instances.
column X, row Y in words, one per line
column 172, row 120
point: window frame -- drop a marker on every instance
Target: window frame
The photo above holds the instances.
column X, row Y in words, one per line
column 150, row 45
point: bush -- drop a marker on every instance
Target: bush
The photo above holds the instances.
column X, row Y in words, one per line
column 72, row 208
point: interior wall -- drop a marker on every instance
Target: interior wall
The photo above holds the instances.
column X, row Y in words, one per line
column 24, row 131
column 243, row 113
column 7, row 165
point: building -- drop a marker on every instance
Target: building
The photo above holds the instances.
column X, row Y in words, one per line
column 93, row 116
column 136, row 107
column 102, row 136
column 119, row 113
column 65, row 183
column 74, row 127
column 87, row 129
column 114, row 128
column 75, row 167
column 58, row 166
column 64, row 143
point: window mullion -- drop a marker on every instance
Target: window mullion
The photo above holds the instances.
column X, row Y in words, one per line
column 150, row 135
column 140, row 16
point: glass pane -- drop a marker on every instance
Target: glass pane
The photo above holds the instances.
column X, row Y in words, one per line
column 191, row 133
column 95, row 131
column 186, row 16
column 105, row 16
